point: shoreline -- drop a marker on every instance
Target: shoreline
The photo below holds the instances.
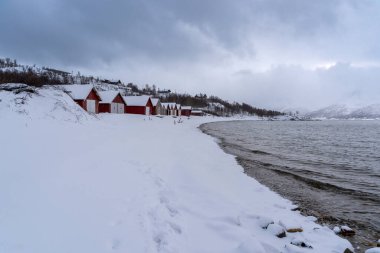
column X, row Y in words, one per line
column 265, row 176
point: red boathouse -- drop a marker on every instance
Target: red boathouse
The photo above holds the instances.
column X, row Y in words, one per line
column 138, row 105
column 84, row 95
column 112, row 102
column 186, row 111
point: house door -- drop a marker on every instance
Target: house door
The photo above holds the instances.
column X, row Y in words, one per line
column 91, row 105
column 120, row 108
column 113, row 107
column 147, row 110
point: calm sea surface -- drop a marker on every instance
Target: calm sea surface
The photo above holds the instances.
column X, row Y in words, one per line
column 331, row 169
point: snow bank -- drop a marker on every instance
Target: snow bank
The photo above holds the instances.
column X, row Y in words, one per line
column 128, row 183
column 29, row 103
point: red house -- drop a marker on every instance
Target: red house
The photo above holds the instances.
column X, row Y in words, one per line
column 186, row 111
column 197, row 113
column 84, row 95
column 138, row 105
column 112, row 102
column 157, row 108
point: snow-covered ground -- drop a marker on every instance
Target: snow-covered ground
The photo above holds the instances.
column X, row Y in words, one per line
column 73, row 182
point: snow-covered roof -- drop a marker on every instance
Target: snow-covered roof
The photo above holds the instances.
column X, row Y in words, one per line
column 170, row 105
column 108, row 96
column 154, row 101
column 178, row 106
column 78, row 91
column 186, row 107
column 136, row 100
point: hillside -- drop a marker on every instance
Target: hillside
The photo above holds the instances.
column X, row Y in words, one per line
column 347, row 112
column 13, row 72
column 22, row 102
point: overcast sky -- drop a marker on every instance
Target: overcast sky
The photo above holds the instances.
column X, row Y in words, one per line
column 270, row 53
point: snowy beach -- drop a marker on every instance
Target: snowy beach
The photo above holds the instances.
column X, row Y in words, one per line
column 75, row 182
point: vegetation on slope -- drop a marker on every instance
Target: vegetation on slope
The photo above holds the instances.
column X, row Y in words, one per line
column 12, row 72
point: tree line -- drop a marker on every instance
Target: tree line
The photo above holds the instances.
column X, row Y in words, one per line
column 202, row 101
column 12, row 72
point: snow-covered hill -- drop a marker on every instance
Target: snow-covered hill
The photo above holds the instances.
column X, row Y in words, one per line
column 30, row 103
column 347, row 112
column 368, row 112
column 73, row 182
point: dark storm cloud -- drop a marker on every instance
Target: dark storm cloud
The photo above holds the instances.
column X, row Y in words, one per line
column 196, row 45
column 83, row 30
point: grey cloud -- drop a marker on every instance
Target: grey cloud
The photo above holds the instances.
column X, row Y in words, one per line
column 199, row 45
column 297, row 87
column 92, row 28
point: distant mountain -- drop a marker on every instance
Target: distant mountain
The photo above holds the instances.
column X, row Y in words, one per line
column 368, row 112
column 347, row 112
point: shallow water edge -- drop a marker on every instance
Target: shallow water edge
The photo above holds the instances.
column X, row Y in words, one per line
column 304, row 192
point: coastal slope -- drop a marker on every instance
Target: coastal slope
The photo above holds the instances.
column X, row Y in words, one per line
column 74, row 182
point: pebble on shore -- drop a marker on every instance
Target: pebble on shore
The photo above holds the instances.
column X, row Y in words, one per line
column 277, row 230
column 291, row 226
column 301, row 243
column 344, row 231
column 348, row 251
column 264, row 222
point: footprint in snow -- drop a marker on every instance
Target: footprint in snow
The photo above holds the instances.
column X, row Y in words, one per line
column 115, row 244
column 176, row 228
column 115, row 223
column 159, row 182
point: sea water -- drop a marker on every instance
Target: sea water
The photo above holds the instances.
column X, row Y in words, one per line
column 331, row 169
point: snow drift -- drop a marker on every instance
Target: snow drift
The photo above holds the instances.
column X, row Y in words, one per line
column 22, row 102
column 73, row 182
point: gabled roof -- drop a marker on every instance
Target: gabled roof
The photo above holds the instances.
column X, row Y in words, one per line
column 154, row 101
column 108, row 96
column 170, row 105
column 136, row 100
column 79, row 91
column 178, row 106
